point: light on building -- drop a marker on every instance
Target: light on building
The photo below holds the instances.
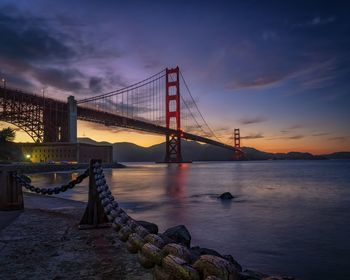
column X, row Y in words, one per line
column 28, row 156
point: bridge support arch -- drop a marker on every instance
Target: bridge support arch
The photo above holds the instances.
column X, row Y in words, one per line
column 172, row 115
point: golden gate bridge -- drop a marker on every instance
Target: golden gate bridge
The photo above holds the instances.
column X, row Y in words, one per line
column 152, row 105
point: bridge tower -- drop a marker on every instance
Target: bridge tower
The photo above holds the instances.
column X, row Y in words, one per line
column 172, row 115
column 237, row 142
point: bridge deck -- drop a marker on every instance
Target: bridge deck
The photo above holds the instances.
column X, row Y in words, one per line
column 96, row 116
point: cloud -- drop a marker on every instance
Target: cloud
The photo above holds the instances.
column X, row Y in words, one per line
column 64, row 79
column 295, row 126
column 294, row 137
column 321, row 134
column 252, row 120
column 41, row 51
column 315, row 22
column 310, row 73
column 95, row 84
column 30, row 39
column 259, row 81
column 338, row 138
column 253, row 136
column 321, row 21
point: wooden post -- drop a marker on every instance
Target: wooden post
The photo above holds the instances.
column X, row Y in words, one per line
column 11, row 196
column 94, row 216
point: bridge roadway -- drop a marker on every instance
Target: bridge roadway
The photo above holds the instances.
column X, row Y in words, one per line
column 18, row 99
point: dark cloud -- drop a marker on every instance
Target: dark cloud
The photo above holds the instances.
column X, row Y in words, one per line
column 29, row 39
column 321, row 134
column 222, row 129
column 63, row 79
column 307, row 74
column 258, row 81
column 37, row 50
column 32, row 52
column 292, row 137
column 295, row 126
column 253, row 136
column 316, row 21
column 101, row 127
column 295, row 137
column 338, row 138
column 95, row 84
column 252, row 120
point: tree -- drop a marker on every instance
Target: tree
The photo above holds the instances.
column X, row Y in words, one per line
column 7, row 135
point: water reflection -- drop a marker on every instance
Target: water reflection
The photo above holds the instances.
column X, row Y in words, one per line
column 288, row 217
column 176, row 181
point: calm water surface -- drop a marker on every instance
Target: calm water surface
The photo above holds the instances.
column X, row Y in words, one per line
column 288, row 217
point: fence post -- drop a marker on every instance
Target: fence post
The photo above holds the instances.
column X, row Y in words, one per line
column 11, row 196
column 94, row 216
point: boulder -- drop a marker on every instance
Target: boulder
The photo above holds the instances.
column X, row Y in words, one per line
column 279, row 278
column 151, row 227
column 226, row 196
column 233, row 261
column 197, row 251
column 166, row 239
column 179, row 234
column 248, row 274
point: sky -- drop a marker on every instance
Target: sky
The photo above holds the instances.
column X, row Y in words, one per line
column 278, row 70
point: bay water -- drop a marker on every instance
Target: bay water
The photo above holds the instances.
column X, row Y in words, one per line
column 287, row 217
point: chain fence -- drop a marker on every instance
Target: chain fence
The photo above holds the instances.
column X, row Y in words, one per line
column 25, row 182
column 169, row 260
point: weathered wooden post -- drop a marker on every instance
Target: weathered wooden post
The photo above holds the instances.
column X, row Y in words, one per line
column 11, row 196
column 94, row 216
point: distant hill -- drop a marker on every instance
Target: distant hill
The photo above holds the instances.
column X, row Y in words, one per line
column 338, row 155
column 191, row 150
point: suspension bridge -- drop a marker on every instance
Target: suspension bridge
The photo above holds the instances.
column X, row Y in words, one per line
column 152, row 105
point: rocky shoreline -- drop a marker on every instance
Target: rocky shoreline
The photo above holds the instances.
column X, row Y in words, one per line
column 44, row 242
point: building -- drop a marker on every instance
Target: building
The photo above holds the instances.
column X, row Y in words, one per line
column 66, row 152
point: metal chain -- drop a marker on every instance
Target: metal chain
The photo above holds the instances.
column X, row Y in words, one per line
column 24, row 181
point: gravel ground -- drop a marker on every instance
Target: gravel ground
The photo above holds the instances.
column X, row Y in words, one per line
column 44, row 242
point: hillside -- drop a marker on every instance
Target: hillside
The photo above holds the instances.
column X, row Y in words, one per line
column 125, row 151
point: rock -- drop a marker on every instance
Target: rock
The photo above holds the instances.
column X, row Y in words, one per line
column 251, row 274
column 151, row 227
column 279, row 278
column 179, row 234
column 166, row 239
column 233, row 261
column 226, row 196
column 197, row 251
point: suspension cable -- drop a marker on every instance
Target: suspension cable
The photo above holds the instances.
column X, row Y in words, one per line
column 197, row 107
column 122, row 90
